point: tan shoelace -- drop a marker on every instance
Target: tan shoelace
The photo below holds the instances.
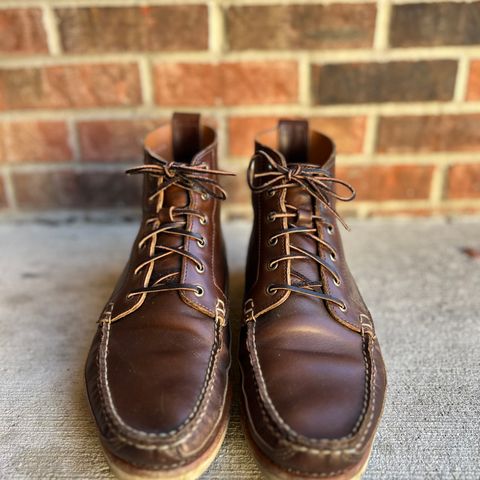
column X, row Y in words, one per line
column 190, row 179
column 320, row 185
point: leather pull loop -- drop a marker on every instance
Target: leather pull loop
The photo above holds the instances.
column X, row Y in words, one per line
column 185, row 136
column 293, row 140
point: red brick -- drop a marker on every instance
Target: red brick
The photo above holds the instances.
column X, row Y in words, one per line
column 34, row 142
column 119, row 29
column 464, row 181
column 70, row 86
column 22, row 31
column 429, row 133
column 234, row 83
column 346, row 132
column 380, row 182
column 113, row 140
column 72, row 189
column 302, row 26
column 473, row 92
column 3, row 196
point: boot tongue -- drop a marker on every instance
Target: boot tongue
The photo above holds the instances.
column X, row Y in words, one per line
column 186, row 144
column 293, row 140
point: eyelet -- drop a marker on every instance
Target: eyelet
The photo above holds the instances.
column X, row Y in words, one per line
column 337, row 281
column 200, row 268
column 333, row 256
column 330, row 229
column 199, row 291
column 202, row 242
column 203, row 220
column 204, row 196
column 270, row 290
column 271, row 217
column 343, row 308
column 272, row 266
column 270, row 193
column 271, row 242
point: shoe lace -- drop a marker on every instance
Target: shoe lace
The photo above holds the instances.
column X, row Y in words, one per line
column 320, row 184
column 188, row 178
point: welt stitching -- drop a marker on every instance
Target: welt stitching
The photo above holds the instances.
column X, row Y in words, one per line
column 203, row 397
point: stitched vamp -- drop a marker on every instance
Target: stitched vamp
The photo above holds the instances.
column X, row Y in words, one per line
column 353, row 444
column 151, row 450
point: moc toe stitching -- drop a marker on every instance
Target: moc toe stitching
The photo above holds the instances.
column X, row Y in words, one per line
column 352, row 445
column 167, row 442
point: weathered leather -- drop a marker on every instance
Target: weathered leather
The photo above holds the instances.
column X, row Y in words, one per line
column 157, row 370
column 313, row 375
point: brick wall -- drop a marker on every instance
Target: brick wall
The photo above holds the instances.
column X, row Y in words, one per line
column 397, row 83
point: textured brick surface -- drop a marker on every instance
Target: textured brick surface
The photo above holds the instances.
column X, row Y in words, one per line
column 429, row 133
column 118, row 29
column 473, row 92
column 384, row 82
column 396, row 87
column 426, row 24
column 231, row 83
column 347, row 132
column 70, row 86
column 34, row 141
column 113, row 140
column 70, row 189
column 398, row 182
column 464, row 181
column 274, row 27
column 21, row 31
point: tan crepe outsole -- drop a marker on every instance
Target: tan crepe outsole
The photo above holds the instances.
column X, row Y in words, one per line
column 192, row 471
column 270, row 471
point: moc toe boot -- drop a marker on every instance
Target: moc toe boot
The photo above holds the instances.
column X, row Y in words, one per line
column 313, row 375
column 157, row 371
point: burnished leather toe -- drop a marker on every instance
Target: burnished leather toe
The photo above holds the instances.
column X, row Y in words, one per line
column 159, row 396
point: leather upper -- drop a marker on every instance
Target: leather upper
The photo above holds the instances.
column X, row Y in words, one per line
column 157, row 371
column 313, row 374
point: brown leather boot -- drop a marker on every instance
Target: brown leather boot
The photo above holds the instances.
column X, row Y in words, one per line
column 313, row 375
column 157, row 371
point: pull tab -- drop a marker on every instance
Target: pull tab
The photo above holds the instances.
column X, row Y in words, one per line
column 293, row 140
column 185, row 136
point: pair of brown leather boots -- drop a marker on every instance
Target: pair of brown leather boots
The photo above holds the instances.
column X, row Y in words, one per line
column 157, row 373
